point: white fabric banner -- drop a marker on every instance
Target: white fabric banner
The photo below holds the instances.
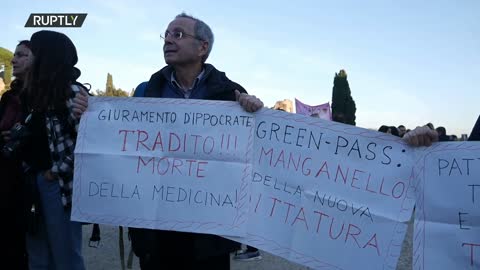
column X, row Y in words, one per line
column 313, row 191
column 328, row 195
column 167, row 164
column 447, row 216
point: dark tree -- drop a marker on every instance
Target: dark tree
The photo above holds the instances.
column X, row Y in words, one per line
column 343, row 105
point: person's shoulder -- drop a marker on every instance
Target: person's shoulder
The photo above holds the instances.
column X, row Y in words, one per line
column 237, row 86
column 5, row 98
column 7, row 94
column 140, row 89
column 161, row 75
column 163, row 72
column 142, row 84
column 157, row 79
column 221, row 77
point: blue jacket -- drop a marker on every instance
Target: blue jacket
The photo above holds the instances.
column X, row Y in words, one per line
column 219, row 86
column 145, row 241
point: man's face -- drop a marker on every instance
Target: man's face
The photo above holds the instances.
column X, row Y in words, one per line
column 402, row 130
column 184, row 50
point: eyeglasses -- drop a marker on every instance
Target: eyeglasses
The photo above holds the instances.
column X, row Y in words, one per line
column 177, row 35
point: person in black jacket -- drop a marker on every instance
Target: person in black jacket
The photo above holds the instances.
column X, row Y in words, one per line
column 11, row 191
column 188, row 43
column 53, row 241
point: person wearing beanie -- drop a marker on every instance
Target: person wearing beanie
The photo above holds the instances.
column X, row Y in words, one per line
column 53, row 240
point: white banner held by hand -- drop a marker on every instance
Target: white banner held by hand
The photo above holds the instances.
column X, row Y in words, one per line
column 328, row 195
column 168, row 164
column 306, row 189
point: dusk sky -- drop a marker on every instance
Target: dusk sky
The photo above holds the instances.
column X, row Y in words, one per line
column 408, row 62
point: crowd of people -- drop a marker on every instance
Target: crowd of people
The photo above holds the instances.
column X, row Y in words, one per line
column 400, row 131
column 39, row 119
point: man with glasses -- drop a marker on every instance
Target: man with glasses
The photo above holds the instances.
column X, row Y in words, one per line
column 188, row 43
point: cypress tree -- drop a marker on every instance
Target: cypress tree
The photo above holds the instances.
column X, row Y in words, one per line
column 343, row 105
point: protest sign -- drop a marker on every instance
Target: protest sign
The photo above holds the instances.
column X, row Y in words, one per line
column 320, row 111
column 164, row 163
column 447, row 215
column 309, row 190
column 323, row 192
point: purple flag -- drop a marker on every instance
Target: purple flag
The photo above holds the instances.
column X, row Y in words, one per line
column 321, row 111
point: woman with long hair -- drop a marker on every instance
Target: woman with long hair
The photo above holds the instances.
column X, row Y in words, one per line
column 11, row 191
column 49, row 90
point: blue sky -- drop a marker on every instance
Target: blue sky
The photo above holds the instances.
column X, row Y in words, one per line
column 408, row 62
